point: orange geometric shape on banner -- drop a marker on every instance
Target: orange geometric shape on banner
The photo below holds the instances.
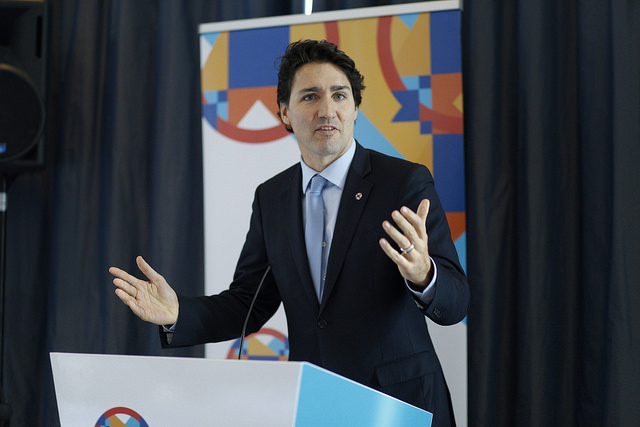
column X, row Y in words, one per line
column 457, row 224
column 258, row 348
column 241, row 100
column 410, row 46
column 315, row 31
column 319, row 31
column 446, row 96
column 215, row 72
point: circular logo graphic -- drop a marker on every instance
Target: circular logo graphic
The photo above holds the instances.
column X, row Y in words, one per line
column 266, row 344
column 121, row 417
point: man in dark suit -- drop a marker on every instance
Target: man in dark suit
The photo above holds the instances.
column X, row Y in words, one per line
column 361, row 312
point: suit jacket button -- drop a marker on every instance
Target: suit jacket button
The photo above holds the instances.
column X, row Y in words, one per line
column 322, row 324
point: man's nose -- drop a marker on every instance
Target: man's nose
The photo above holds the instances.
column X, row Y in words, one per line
column 326, row 108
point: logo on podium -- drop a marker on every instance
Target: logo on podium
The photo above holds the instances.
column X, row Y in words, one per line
column 266, row 344
column 121, row 416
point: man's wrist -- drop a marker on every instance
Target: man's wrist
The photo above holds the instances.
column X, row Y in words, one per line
column 425, row 294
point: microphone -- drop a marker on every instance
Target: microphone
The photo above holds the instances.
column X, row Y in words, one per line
column 246, row 320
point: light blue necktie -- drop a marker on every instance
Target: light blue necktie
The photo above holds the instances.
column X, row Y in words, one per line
column 314, row 231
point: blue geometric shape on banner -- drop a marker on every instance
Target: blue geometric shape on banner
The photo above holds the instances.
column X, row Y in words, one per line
column 420, row 84
column 445, row 42
column 211, row 96
column 409, row 106
column 426, row 128
column 217, row 104
column 461, row 248
column 448, row 171
column 409, row 19
column 279, row 347
column 411, row 82
column 223, row 110
column 210, row 112
column 370, row 137
column 255, row 49
column 424, row 95
column 211, row 37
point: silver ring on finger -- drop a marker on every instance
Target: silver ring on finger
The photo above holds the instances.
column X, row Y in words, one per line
column 407, row 250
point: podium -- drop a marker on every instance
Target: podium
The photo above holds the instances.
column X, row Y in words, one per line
column 170, row 391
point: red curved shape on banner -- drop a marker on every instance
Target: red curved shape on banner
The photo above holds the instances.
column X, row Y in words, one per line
column 122, row 410
column 333, row 33
column 251, row 135
column 441, row 122
column 385, row 56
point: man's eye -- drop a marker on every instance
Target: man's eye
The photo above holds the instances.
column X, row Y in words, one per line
column 307, row 98
column 340, row 96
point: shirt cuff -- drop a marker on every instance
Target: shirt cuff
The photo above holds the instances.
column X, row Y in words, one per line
column 426, row 296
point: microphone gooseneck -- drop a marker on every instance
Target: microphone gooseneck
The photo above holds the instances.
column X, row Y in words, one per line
column 246, row 320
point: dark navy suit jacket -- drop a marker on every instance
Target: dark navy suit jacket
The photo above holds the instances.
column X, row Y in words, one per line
column 368, row 327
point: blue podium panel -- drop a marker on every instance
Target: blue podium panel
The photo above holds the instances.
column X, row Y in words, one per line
column 327, row 399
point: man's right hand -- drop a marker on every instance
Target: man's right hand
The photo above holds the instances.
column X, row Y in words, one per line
column 153, row 300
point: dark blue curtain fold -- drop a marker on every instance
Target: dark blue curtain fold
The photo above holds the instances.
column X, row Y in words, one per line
column 552, row 127
column 552, row 139
column 123, row 178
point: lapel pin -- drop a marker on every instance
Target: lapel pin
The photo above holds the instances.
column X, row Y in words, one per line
column 358, row 196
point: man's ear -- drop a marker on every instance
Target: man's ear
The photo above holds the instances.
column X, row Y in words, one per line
column 284, row 116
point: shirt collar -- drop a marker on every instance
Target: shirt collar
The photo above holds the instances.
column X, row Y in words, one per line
column 335, row 173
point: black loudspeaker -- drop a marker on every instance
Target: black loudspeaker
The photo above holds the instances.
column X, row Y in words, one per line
column 22, row 85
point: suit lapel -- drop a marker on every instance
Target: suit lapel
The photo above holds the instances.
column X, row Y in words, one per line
column 353, row 201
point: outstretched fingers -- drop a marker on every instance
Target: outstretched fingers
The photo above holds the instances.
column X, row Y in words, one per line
column 124, row 281
column 413, row 224
column 411, row 239
column 152, row 300
column 148, row 271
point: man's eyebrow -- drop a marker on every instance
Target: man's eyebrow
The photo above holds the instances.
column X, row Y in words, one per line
column 315, row 89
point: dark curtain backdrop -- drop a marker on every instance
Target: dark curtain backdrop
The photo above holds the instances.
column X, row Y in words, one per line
column 552, row 124
column 552, row 120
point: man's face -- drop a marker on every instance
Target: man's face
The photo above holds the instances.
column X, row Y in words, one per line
column 321, row 112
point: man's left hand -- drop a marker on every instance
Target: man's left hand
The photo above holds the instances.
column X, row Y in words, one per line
column 410, row 234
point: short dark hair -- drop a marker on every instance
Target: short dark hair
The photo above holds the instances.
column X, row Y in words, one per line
column 307, row 51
